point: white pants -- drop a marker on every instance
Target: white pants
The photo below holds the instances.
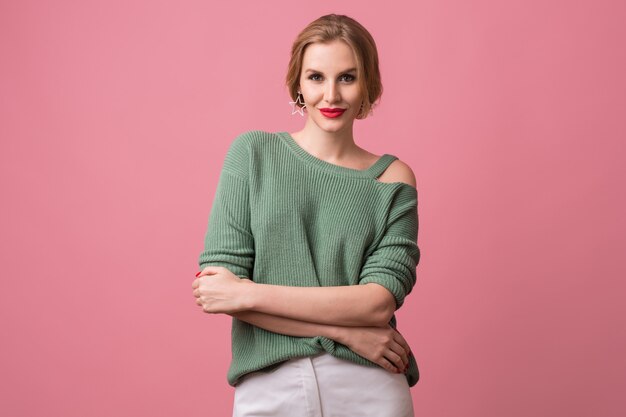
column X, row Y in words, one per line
column 323, row 386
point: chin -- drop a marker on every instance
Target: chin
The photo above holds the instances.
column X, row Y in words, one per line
column 333, row 128
column 334, row 124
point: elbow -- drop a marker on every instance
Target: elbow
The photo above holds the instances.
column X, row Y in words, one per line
column 385, row 313
column 384, row 306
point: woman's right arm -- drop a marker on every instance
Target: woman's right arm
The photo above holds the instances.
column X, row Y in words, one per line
column 384, row 346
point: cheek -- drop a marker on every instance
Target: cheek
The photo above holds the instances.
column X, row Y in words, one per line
column 311, row 95
column 356, row 102
column 354, row 95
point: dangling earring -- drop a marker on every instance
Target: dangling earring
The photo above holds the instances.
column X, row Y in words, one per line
column 295, row 104
column 359, row 114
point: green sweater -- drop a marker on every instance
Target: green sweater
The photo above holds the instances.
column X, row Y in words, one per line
column 282, row 216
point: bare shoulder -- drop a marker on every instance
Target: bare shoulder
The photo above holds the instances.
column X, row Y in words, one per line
column 398, row 171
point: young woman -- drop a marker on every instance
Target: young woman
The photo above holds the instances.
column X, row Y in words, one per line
column 311, row 246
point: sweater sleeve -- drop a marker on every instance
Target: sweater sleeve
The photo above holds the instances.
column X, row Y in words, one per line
column 393, row 262
column 228, row 240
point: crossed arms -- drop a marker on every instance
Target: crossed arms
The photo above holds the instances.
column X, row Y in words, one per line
column 356, row 316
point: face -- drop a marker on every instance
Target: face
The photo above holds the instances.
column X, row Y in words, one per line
column 328, row 80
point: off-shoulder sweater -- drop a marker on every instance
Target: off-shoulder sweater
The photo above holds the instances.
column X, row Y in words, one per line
column 285, row 217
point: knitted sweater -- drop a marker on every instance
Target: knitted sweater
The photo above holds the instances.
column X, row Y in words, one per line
column 282, row 216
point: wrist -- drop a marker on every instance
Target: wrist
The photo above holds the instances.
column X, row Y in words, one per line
column 249, row 295
column 339, row 334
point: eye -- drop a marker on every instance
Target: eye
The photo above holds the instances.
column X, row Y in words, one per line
column 345, row 77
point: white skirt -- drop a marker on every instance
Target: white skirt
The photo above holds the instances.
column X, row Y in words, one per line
column 323, row 386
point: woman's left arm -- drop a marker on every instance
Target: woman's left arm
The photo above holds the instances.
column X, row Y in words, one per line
column 391, row 266
column 386, row 278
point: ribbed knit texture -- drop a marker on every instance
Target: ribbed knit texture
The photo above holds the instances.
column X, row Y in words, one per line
column 282, row 216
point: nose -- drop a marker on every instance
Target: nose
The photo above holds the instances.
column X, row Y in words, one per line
column 332, row 92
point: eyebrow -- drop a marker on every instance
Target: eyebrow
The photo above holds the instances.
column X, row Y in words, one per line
column 313, row 70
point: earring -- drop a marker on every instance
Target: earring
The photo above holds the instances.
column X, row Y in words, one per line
column 295, row 104
column 359, row 114
column 360, row 111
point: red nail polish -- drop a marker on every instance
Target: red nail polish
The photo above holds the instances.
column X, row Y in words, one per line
column 198, row 273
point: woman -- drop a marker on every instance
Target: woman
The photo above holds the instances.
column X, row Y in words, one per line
column 311, row 246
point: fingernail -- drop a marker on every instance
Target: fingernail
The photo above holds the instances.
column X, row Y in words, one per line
column 199, row 272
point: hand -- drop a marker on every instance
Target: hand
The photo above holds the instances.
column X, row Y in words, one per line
column 384, row 346
column 218, row 290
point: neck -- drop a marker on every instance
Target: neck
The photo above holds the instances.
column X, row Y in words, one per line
column 329, row 146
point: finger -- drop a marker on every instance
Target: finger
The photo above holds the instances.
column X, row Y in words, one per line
column 198, row 301
column 196, row 283
column 399, row 350
column 196, row 292
column 402, row 341
column 387, row 365
column 395, row 359
column 211, row 270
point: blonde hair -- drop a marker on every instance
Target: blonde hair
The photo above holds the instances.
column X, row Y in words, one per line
column 340, row 27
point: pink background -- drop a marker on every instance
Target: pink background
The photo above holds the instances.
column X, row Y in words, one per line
column 115, row 119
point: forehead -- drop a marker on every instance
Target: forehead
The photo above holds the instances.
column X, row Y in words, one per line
column 333, row 56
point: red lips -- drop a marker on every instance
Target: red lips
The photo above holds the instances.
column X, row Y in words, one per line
column 336, row 112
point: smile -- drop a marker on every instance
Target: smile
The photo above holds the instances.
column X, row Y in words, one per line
column 332, row 113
